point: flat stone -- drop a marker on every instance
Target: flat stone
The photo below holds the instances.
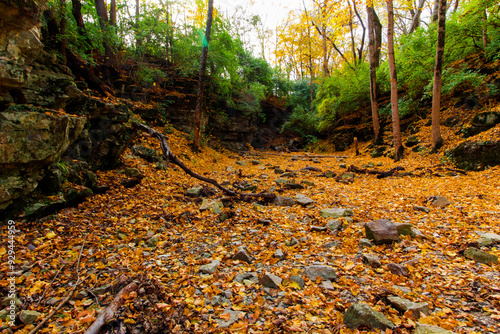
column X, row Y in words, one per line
column 335, row 213
column 292, row 242
column 403, row 305
column 283, row 201
column 363, row 242
column 488, row 239
column 403, row 228
column 327, row 285
column 233, row 317
column 194, row 192
column 279, row 254
column 330, row 244
column 318, row 228
column 362, row 314
column 242, row 255
column 440, row 201
column 255, row 162
column 480, row 256
column 303, row 200
column 28, row 317
column 326, row 273
column 153, row 240
column 334, row 225
column 100, row 290
column 429, row 329
column 372, row 260
column 270, row 281
column 421, row 208
column 214, row 205
column 381, row 231
column 398, row 269
column 209, row 268
column 246, row 276
column 241, row 163
column 298, row 279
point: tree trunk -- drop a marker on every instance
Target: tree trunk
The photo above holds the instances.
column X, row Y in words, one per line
column 437, row 140
column 435, row 10
column 138, row 38
column 203, row 68
column 398, row 148
column 100, row 6
column 62, row 28
column 373, row 74
column 363, row 35
column 416, row 18
column 485, row 28
column 77, row 14
column 112, row 13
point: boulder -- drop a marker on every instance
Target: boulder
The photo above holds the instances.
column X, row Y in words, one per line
column 481, row 122
column 477, row 154
column 270, row 281
column 209, row 268
column 242, row 255
column 381, row 231
column 362, row 314
column 430, row 329
column 480, row 256
column 403, row 305
column 28, row 317
column 335, row 213
column 326, row 273
column 283, row 201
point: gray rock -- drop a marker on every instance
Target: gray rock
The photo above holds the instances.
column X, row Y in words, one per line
column 251, row 276
column 283, row 201
column 365, row 243
column 216, row 301
column 480, row 256
column 52, row 301
column 298, row 279
column 194, row 192
column 372, row 260
column 488, row 239
column 279, row 254
column 270, row 281
column 334, row 225
column 292, row 242
column 318, row 228
column 429, row 329
column 403, row 228
column 6, row 302
column 421, row 208
column 278, row 171
column 214, row 205
column 153, row 240
column 241, row 163
column 28, row 317
column 255, row 162
column 381, row 231
column 234, row 317
column 327, row 285
column 209, row 268
column 398, row 269
column 362, row 314
column 303, row 200
column 81, row 295
column 3, row 315
column 403, row 305
column 100, row 290
column 308, row 183
column 242, row 255
column 335, row 213
column 326, row 273
column 330, row 244
column 440, row 201
column 403, row 289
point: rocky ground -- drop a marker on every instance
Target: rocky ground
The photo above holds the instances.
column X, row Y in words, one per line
column 317, row 260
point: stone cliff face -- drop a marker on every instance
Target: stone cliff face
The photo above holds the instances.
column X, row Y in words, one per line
column 51, row 128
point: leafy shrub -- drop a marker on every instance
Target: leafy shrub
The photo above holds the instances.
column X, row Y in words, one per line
column 303, row 122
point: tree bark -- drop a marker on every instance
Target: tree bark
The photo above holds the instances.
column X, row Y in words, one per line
column 138, row 38
column 398, row 147
column 77, row 14
column 416, row 17
column 62, row 28
column 437, row 140
column 363, row 35
column 203, row 68
column 373, row 73
column 435, row 10
column 100, row 6
column 112, row 13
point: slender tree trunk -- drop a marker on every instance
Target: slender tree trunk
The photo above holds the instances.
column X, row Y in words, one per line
column 203, row 68
column 398, row 148
column 353, row 46
column 77, row 14
column 108, row 52
column 373, row 74
column 138, row 38
column 416, row 17
column 62, row 28
column 485, row 28
column 326, row 71
column 456, row 6
column 435, row 10
column 112, row 13
column 363, row 34
column 437, row 140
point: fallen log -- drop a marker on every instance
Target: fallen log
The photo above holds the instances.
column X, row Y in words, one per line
column 108, row 314
column 169, row 156
column 380, row 174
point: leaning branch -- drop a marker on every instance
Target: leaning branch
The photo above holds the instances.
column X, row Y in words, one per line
column 169, row 156
column 380, row 174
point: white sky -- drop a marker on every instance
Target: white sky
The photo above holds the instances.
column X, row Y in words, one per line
column 271, row 12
